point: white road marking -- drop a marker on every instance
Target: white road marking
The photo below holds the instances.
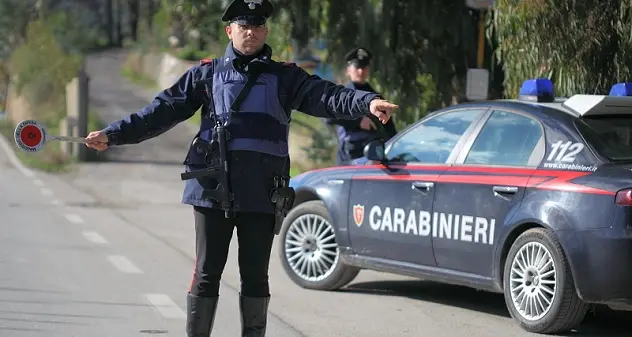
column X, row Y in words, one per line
column 14, row 159
column 123, row 264
column 46, row 192
column 165, row 306
column 94, row 237
column 38, row 182
column 74, row 218
column 57, row 202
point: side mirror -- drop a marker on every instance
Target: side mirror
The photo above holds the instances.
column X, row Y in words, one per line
column 375, row 151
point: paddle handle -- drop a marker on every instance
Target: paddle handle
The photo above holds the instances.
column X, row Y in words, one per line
column 69, row 139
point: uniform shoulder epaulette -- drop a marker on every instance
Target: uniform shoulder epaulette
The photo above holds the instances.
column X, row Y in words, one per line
column 289, row 64
column 205, row 61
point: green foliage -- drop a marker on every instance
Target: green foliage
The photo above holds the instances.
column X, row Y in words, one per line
column 158, row 37
column 294, row 171
column 73, row 26
column 43, row 45
column 194, row 22
column 411, row 109
column 279, row 36
column 42, row 67
column 73, row 31
column 323, row 144
column 136, row 76
column 190, row 53
column 582, row 46
column 14, row 17
column 322, row 148
column 421, row 49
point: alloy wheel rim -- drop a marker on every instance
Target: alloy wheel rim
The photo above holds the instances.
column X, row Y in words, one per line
column 310, row 247
column 533, row 281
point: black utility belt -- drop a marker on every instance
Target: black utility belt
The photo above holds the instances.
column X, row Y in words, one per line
column 276, row 133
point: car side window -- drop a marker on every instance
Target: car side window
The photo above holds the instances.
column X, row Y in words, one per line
column 433, row 140
column 508, row 139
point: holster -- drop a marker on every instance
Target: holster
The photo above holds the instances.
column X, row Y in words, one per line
column 282, row 196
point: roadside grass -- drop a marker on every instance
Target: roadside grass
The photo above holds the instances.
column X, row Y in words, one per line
column 196, row 119
column 294, row 171
column 138, row 78
column 50, row 159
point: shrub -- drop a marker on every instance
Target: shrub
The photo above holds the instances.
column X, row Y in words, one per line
column 40, row 70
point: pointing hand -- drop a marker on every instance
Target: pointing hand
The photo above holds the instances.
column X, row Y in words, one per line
column 382, row 109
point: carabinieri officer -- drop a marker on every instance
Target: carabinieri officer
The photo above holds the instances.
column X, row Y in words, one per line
column 256, row 121
column 353, row 135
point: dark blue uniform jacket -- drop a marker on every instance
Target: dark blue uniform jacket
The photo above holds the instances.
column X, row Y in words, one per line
column 304, row 92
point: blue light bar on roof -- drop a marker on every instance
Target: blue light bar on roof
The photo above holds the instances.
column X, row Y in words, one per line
column 621, row 89
column 537, row 90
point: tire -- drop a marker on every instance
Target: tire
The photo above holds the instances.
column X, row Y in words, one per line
column 338, row 274
column 566, row 310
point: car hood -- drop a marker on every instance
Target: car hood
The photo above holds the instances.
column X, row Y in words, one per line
column 317, row 174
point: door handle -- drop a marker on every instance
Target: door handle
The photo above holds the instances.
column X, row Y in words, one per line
column 505, row 189
column 422, row 185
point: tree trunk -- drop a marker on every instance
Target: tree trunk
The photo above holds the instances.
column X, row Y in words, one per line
column 134, row 11
column 300, row 28
column 119, row 24
column 151, row 8
column 109, row 21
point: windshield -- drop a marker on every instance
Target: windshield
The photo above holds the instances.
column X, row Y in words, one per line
column 610, row 136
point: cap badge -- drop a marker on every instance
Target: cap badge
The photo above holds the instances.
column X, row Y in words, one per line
column 252, row 3
column 362, row 54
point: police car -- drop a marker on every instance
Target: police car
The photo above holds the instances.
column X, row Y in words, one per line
column 528, row 197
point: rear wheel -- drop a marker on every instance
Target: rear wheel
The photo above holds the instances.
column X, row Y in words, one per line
column 309, row 252
column 538, row 285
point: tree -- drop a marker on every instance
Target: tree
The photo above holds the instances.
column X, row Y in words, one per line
column 200, row 17
column 418, row 47
column 588, row 51
column 15, row 16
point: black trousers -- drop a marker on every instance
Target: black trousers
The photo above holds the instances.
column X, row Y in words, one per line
column 213, row 235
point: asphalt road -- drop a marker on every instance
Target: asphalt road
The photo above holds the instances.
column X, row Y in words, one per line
column 81, row 251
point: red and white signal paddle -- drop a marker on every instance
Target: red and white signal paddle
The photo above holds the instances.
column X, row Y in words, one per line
column 31, row 136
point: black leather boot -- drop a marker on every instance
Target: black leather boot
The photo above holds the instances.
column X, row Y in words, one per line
column 254, row 315
column 200, row 315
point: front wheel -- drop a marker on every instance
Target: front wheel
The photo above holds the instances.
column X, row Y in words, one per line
column 309, row 252
column 538, row 285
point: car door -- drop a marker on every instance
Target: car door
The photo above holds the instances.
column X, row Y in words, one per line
column 391, row 204
column 476, row 196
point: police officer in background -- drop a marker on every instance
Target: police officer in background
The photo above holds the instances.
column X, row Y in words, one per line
column 251, row 97
column 354, row 134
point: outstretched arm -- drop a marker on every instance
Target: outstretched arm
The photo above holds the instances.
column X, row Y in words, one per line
column 170, row 107
column 321, row 98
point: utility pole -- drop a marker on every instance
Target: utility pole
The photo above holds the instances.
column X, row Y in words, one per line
column 477, row 86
